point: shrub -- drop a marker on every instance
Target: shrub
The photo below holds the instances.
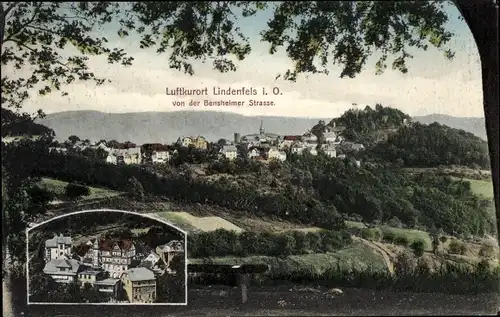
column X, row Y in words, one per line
column 395, row 222
column 367, row 234
column 75, row 190
column 377, row 234
column 302, row 245
column 372, row 234
column 457, row 247
column 487, row 251
column 389, row 236
column 418, row 247
column 402, row 240
column 136, row 190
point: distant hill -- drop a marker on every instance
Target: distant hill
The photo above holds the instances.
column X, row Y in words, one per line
column 474, row 125
column 166, row 127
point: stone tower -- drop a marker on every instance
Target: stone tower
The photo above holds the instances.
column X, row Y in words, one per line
column 95, row 253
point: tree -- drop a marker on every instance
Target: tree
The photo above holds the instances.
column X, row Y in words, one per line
column 73, row 139
column 418, row 248
column 136, row 189
column 171, row 287
column 390, row 28
column 75, row 190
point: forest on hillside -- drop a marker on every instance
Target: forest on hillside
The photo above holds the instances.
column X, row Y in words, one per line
column 433, row 145
column 307, row 189
column 390, row 136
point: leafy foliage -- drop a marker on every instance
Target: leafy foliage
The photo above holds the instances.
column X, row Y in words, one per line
column 313, row 33
column 313, row 190
column 44, row 289
column 369, row 125
column 33, row 37
column 433, row 145
column 229, row 243
column 136, row 189
column 75, row 190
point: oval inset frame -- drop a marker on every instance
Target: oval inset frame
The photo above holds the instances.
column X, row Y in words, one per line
column 150, row 216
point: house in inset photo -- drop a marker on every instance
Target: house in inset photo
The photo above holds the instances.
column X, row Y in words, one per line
column 109, row 257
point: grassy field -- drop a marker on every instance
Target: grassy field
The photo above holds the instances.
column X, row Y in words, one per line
column 58, row 188
column 189, row 222
column 357, row 256
column 482, row 188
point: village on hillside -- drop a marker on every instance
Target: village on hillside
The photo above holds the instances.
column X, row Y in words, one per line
column 118, row 270
column 262, row 146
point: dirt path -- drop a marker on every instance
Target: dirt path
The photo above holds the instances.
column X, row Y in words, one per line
column 386, row 255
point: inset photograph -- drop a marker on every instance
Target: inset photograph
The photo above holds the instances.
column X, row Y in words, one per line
column 106, row 257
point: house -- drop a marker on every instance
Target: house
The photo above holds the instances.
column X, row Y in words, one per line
column 341, row 156
column 288, row 140
column 329, row 150
column 109, row 287
column 198, row 142
column 312, row 150
column 139, row 285
column 125, row 155
column 153, row 263
column 357, row 147
column 132, row 158
column 102, row 146
column 297, row 147
column 59, row 247
column 91, row 275
column 160, row 157
column 113, row 256
column 276, row 154
column 168, row 251
column 62, row 270
column 152, row 257
column 310, row 138
column 59, row 150
column 330, row 137
column 253, row 153
column 230, row 152
column 112, row 159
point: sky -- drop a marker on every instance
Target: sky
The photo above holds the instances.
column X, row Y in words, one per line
column 433, row 84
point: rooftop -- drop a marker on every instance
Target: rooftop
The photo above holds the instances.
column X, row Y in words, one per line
column 55, row 266
column 140, row 274
column 174, row 245
column 108, row 281
column 60, row 239
column 107, row 245
column 91, row 272
column 229, row 148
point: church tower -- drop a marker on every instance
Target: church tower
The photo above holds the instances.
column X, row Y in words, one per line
column 261, row 130
column 95, row 253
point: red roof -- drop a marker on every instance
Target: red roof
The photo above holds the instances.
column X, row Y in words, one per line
column 292, row 137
